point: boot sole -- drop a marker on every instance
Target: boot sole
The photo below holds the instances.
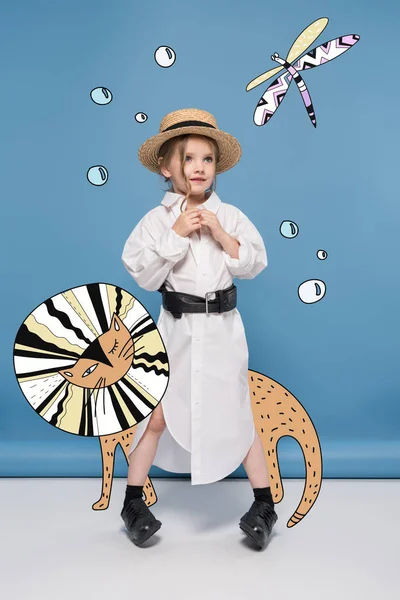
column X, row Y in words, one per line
column 151, row 531
column 250, row 533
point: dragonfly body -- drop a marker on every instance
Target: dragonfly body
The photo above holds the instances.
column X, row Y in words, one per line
column 297, row 78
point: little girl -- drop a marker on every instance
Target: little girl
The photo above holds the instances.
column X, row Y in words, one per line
column 204, row 424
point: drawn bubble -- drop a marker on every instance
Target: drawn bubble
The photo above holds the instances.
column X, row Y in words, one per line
column 289, row 229
column 97, row 175
column 311, row 291
column 101, row 95
column 164, row 56
column 91, row 361
column 141, row 117
column 322, row 254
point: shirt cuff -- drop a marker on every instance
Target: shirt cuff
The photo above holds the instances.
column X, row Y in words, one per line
column 247, row 255
column 171, row 246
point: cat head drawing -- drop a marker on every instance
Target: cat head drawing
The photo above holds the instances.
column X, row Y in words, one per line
column 106, row 360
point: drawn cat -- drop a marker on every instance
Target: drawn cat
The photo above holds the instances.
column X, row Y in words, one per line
column 277, row 413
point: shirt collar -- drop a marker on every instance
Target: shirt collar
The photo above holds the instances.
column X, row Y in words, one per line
column 173, row 201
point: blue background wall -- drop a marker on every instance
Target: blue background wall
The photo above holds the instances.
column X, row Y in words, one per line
column 339, row 357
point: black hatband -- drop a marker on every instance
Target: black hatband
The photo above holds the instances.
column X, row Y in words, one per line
column 188, row 124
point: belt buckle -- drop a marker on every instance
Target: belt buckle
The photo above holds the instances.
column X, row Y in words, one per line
column 207, row 294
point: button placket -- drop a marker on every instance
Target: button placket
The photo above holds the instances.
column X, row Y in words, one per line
column 197, row 352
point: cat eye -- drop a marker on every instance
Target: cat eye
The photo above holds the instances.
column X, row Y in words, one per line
column 68, row 374
column 90, row 370
column 113, row 349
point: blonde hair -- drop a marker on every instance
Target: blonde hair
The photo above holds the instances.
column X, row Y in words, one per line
column 180, row 142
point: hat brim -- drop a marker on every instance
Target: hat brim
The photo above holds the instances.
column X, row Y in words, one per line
column 229, row 147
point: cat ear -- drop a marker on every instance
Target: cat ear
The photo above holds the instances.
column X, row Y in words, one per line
column 66, row 373
column 114, row 321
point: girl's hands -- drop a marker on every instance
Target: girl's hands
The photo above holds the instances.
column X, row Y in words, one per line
column 194, row 218
column 210, row 219
column 187, row 222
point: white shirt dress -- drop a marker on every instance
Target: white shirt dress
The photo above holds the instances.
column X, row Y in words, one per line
column 206, row 406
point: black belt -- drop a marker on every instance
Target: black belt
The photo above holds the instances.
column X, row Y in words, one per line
column 178, row 302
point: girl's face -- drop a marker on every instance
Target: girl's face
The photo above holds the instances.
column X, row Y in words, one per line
column 199, row 167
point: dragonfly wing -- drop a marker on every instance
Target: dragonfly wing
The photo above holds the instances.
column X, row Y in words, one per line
column 263, row 77
column 300, row 45
column 271, row 99
column 306, row 38
column 326, row 52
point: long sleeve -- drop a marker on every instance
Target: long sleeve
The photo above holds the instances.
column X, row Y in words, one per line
column 150, row 252
column 252, row 254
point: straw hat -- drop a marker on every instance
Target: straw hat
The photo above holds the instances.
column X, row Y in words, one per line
column 191, row 120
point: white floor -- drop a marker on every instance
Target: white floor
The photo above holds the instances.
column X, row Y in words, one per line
column 55, row 546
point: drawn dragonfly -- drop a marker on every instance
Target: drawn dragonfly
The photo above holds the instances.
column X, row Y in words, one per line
column 273, row 96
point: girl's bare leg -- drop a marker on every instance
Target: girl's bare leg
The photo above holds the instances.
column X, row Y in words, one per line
column 256, row 466
column 143, row 455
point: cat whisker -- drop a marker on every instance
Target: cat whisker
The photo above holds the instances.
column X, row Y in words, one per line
column 128, row 349
column 127, row 357
column 96, row 387
column 124, row 346
column 98, row 383
column 86, row 397
column 138, row 338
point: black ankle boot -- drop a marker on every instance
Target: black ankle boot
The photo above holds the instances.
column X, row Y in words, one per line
column 258, row 522
column 139, row 521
